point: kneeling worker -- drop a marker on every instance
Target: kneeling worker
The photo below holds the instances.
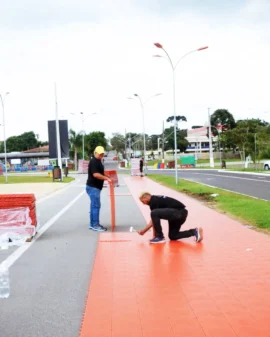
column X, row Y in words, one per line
column 170, row 209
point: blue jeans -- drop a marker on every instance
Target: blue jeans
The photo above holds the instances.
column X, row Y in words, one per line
column 94, row 195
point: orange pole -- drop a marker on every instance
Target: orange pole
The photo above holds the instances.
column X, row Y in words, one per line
column 112, row 199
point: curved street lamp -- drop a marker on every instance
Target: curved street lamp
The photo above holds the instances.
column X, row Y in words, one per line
column 160, row 46
column 142, row 107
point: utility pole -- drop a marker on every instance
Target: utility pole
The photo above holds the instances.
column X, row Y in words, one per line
column 163, row 141
column 255, row 136
column 58, row 145
column 210, row 141
column 129, row 141
column 125, row 144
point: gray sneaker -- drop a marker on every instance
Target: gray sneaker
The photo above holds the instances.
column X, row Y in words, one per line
column 198, row 234
column 98, row 228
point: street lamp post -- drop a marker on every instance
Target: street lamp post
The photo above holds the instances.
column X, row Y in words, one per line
column 158, row 140
column 144, row 142
column 82, row 136
column 219, row 144
column 211, row 158
column 158, row 45
column 4, row 132
column 142, row 107
column 83, row 132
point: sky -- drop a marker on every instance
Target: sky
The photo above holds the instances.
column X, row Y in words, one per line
column 100, row 53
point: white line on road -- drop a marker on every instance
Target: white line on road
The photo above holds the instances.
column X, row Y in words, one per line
column 53, row 193
column 231, row 177
column 224, row 189
column 19, row 252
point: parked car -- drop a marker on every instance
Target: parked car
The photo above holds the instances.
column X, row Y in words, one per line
column 266, row 165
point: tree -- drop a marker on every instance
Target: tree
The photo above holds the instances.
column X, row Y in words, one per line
column 118, row 142
column 13, row 144
column 182, row 142
column 262, row 142
column 41, row 143
column 153, row 142
column 245, row 135
column 223, row 118
column 75, row 141
column 94, row 139
column 23, row 142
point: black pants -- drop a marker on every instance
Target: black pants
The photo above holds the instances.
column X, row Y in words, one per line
column 176, row 218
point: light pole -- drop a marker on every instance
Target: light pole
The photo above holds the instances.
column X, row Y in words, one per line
column 211, row 158
column 83, row 119
column 158, row 45
column 144, row 142
column 218, row 131
column 142, row 107
column 4, row 132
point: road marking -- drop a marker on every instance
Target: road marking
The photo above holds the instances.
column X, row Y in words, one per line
column 231, row 177
column 247, row 173
column 19, row 252
column 53, row 193
column 224, row 189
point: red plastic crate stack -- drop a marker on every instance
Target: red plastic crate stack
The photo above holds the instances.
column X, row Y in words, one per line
column 9, row 201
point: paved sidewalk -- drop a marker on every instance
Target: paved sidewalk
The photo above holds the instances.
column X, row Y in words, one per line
column 40, row 190
column 217, row 288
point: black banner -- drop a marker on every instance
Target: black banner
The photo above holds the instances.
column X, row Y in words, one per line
column 64, row 143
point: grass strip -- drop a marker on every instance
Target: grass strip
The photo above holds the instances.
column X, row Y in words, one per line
column 32, row 179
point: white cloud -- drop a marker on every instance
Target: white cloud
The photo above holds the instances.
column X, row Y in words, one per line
column 98, row 64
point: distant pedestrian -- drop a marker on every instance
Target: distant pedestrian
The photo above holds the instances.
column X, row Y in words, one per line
column 170, row 209
column 141, row 166
column 94, row 186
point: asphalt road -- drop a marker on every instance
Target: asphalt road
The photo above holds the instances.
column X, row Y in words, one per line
column 257, row 186
column 49, row 278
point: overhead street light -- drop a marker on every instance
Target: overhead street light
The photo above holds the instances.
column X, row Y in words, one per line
column 160, row 46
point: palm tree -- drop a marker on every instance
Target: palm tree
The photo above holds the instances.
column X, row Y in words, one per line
column 75, row 140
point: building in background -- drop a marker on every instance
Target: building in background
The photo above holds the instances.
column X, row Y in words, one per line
column 198, row 140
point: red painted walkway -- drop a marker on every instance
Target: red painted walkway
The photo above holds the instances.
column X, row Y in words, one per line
column 217, row 288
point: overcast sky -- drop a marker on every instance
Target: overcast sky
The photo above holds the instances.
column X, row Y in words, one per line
column 100, row 52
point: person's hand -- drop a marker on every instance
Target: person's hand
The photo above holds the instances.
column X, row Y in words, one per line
column 109, row 181
column 141, row 232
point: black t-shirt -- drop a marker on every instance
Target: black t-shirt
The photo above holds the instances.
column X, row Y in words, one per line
column 95, row 166
column 161, row 201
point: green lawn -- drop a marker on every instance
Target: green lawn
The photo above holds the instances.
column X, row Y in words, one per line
column 248, row 210
column 32, row 179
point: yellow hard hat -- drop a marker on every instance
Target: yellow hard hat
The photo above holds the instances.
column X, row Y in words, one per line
column 99, row 150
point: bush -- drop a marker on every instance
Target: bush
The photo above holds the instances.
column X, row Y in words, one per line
column 266, row 153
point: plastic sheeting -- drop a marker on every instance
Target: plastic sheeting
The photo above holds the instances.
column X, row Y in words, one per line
column 15, row 225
